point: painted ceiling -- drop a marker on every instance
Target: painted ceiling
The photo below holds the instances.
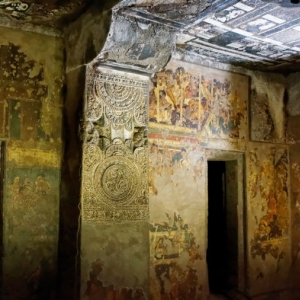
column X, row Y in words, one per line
column 262, row 34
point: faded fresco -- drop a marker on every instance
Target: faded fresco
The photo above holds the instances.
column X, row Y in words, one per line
column 295, row 210
column 123, row 250
column 211, row 103
column 31, row 212
column 269, row 223
column 268, row 115
column 172, row 276
column 164, row 160
column 189, row 109
column 30, row 103
column 269, row 197
column 177, row 269
column 97, row 290
column 195, row 110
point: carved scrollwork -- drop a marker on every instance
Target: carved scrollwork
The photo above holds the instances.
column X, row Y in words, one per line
column 118, row 117
column 119, row 96
column 117, row 149
column 123, row 98
column 141, row 157
column 91, row 156
column 141, row 115
column 121, row 215
column 94, row 107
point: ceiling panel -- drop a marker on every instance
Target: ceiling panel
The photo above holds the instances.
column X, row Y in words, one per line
column 264, row 32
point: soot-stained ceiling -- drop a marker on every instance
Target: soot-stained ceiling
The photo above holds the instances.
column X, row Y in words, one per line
column 257, row 34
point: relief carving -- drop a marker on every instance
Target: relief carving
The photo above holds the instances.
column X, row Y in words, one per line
column 116, row 180
column 114, row 183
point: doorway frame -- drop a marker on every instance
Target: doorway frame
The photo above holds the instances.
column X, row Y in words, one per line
column 227, row 155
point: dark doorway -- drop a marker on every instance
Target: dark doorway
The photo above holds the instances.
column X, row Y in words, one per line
column 222, row 251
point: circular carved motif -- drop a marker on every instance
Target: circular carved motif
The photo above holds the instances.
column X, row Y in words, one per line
column 116, row 180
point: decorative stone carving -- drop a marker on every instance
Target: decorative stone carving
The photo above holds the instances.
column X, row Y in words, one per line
column 114, row 181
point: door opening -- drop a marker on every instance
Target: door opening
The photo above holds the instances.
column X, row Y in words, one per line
column 222, row 251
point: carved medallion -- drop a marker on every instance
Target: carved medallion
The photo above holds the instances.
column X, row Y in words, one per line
column 116, row 180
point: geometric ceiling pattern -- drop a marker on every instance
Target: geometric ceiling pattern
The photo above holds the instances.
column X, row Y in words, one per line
column 255, row 33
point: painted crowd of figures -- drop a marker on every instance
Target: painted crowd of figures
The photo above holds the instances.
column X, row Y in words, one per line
column 206, row 104
column 27, row 193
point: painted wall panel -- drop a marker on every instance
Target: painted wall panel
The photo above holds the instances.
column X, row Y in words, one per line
column 31, row 81
column 191, row 109
column 193, row 112
column 268, row 217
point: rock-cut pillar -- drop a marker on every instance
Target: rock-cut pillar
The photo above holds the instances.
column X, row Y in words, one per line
column 114, row 198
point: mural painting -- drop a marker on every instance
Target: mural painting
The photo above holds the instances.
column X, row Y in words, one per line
column 170, row 241
column 31, row 226
column 295, row 207
column 229, row 14
column 210, row 103
column 175, row 180
column 30, row 93
column 269, row 200
column 164, row 160
column 190, row 108
column 268, row 115
column 295, row 184
column 96, row 289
